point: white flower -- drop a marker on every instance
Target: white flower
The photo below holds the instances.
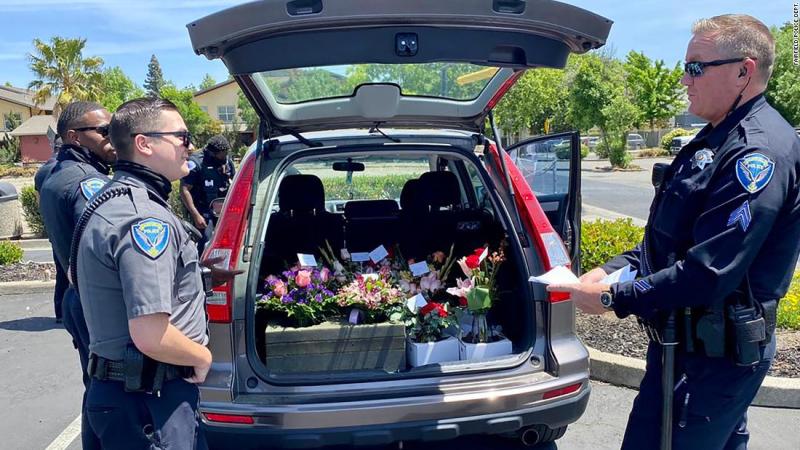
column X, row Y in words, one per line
column 463, row 287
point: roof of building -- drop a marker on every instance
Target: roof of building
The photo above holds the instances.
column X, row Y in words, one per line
column 24, row 97
column 216, row 86
column 35, row 126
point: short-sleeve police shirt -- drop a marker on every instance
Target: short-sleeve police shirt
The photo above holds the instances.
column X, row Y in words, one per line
column 729, row 206
column 134, row 259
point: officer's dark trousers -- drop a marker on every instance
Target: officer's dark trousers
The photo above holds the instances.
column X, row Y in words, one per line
column 62, row 283
column 135, row 420
column 76, row 326
column 715, row 417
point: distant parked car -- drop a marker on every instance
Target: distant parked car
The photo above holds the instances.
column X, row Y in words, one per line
column 590, row 141
column 677, row 144
column 635, row 141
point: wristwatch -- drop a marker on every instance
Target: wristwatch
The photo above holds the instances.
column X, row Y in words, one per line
column 607, row 299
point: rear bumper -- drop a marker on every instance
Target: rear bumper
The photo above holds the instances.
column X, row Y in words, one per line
column 554, row 414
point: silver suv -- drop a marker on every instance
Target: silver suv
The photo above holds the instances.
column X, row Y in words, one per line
column 400, row 90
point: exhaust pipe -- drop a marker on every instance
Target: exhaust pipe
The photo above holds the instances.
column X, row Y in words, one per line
column 529, row 437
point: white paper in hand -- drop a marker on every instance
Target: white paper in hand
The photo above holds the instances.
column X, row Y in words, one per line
column 558, row 275
column 620, row 276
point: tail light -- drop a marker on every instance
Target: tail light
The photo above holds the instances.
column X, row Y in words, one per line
column 562, row 391
column 229, row 418
column 547, row 242
column 228, row 237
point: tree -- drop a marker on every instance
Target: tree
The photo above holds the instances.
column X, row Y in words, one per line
column 118, row 89
column 62, row 72
column 247, row 113
column 155, row 78
column 783, row 91
column 199, row 123
column 208, row 82
column 596, row 95
column 655, row 90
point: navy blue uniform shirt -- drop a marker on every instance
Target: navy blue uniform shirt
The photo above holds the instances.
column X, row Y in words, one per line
column 729, row 205
column 209, row 177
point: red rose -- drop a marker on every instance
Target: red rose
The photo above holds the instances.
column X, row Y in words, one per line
column 462, row 302
column 478, row 251
column 473, row 261
column 440, row 309
column 427, row 308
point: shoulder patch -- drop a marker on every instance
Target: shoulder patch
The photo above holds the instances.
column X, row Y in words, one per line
column 91, row 186
column 191, row 164
column 754, row 172
column 151, row 236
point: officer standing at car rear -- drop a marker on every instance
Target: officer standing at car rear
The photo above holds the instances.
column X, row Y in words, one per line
column 210, row 175
column 720, row 246
column 61, row 274
column 140, row 284
column 81, row 170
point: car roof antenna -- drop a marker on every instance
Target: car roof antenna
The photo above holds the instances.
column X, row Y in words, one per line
column 375, row 129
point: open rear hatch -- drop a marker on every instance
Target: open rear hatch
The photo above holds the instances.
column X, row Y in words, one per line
column 312, row 64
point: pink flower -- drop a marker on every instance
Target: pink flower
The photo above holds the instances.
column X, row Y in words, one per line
column 279, row 288
column 324, row 275
column 439, row 257
column 430, row 282
column 464, row 268
column 303, row 278
column 462, row 289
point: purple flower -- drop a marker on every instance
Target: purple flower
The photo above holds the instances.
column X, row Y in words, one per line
column 318, row 298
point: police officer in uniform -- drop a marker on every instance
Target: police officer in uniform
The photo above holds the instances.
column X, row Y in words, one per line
column 81, row 169
column 61, row 275
column 140, row 284
column 720, row 246
column 210, row 175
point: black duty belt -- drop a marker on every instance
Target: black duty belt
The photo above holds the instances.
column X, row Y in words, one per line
column 150, row 381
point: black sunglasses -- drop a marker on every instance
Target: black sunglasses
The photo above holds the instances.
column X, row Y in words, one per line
column 695, row 68
column 185, row 135
column 102, row 130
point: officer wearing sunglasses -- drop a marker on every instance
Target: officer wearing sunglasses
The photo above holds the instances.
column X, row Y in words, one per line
column 81, row 169
column 719, row 249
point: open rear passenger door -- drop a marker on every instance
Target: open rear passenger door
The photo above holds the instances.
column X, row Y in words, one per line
column 551, row 165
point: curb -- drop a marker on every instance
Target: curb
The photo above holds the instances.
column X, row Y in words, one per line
column 26, row 287
column 33, row 244
column 775, row 392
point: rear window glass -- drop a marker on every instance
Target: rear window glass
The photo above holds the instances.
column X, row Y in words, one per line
column 454, row 81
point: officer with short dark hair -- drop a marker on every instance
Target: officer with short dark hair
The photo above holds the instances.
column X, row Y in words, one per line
column 140, row 284
column 210, row 175
column 720, row 246
column 81, row 169
column 61, row 275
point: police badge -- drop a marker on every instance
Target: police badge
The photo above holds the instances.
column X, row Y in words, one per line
column 702, row 158
column 754, row 172
column 91, row 186
column 151, row 236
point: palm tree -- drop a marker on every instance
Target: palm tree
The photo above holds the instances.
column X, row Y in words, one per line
column 64, row 73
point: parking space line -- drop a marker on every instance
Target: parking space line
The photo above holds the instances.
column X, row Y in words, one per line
column 66, row 437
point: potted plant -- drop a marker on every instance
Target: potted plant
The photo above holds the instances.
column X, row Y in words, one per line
column 477, row 294
column 427, row 341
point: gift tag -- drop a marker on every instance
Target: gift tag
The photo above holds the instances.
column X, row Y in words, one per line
column 344, row 254
column 415, row 303
column 484, row 254
column 378, row 254
column 419, row 269
column 359, row 256
column 370, row 276
column 307, row 260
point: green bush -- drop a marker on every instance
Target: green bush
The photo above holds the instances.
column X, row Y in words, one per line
column 653, row 152
column 563, row 151
column 666, row 140
column 9, row 149
column 10, row 253
column 789, row 306
column 176, row 203
column 12, row 171
column 601, row 240
column 366, row 186
column 30, row 210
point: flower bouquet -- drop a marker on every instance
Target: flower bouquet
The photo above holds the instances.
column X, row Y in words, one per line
column 301, row 295
column 427, row 342
column 369, row 297
column 476, row 294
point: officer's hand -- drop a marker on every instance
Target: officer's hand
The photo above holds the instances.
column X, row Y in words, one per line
column 593, row 276
column 200, row 222
column 201, row 370
column 218, row 274
column 585, row 295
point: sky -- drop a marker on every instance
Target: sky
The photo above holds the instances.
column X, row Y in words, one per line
column 126, row 33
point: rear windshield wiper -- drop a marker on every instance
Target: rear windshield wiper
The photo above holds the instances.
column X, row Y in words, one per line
column 378, row 130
